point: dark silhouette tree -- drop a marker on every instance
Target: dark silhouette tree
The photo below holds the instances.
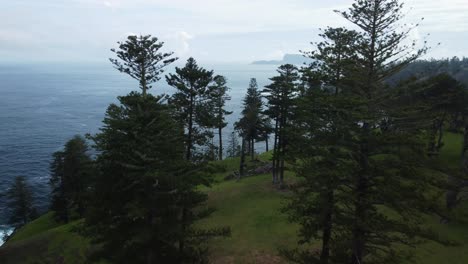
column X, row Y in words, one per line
column 318, row 150
column 192, row 103
column 147, row 188
column 139, row 57
column 218, row 96
column 71, row 179
column 147, row 192
column 250, row 125
column 370, row 149
column 20, row 203
column 234, row 147
column 280, row 95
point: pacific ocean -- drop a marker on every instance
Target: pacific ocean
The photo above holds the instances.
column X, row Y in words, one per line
column 44, row 105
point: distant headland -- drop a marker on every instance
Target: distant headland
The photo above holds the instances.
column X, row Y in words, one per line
column 296, row 59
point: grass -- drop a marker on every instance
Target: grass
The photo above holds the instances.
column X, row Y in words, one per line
column 46, row 241
column 37, row 226
column 250, row 206
column 451, row 150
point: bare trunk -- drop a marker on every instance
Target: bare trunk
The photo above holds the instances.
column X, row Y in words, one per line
column 183, row 228
column 252, row 150
column 275, row 153
column 440, row 129
column 242, row 158
column 327, row 228
column 190, row 128
column 220, row 143
column 360, row 207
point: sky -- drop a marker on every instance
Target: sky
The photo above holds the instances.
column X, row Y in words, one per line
column 208, row 30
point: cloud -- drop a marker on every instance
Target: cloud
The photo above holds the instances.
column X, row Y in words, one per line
column 180, row 42
column 227, row 29
column 275, row 55
column 108, row 4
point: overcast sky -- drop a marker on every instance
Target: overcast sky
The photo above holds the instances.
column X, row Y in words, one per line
column 209, row 30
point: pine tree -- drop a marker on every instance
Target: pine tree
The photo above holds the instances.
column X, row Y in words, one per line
column 371, row 157
column 20, row 203
column 251, row 123
column 233, row 149
column 71, row 177
column 219, row 96
column 147, row 187
column 146, row 191
column 389, row 162
column 321, row 160
column 192, row 102
column 140, row 58
column 280, row 95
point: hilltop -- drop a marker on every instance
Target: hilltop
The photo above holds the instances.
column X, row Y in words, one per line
column 250, row 206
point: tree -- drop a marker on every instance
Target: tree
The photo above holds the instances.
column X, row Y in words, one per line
column 71, row 177
column 389, row 162
column 219, row 96
column 192, row 103
column 280, row 95
column 234, row 148
column 20, row 203
column 251, row 124
column 371, row 151
column 140, row 58
column 146, row 192
column 318, row 149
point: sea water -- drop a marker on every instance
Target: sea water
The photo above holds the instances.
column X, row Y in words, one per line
column 44, row 105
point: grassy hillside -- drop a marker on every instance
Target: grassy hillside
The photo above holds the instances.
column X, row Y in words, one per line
column 45, row 241
column 251, row 207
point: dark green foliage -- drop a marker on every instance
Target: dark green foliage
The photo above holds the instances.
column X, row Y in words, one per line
column 252, row 123
column 319, row 146
column 280, row 95
column 366, row 188
column 146, row 194
column 218, row 96
column 20, row 203
column 140, row 58
column 455, row 67
column 193, row 105
column 234, row 147
column 71, row 179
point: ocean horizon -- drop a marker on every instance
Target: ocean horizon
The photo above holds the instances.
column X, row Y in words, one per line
column 44, row 105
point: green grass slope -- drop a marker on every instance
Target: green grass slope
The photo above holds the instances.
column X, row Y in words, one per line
column 45, row 241
column 250, row 206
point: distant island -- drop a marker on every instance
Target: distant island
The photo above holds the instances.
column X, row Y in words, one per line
column 296, row 59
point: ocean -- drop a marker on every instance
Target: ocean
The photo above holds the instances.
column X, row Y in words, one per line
column 44, row 105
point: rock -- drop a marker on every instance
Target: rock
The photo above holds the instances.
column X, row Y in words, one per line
column 267, row 168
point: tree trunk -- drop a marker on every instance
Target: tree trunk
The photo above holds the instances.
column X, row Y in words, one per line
column 183, row 229
column 275, row 153
column 361, row 190
column 190, row 128
column 248, row 146
column 143, row 83
column 281, row 149
column 266, row 143
column 242, row 158
column 220, row 143
column 441, row 134
column 252, row 150
column 327, row 227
